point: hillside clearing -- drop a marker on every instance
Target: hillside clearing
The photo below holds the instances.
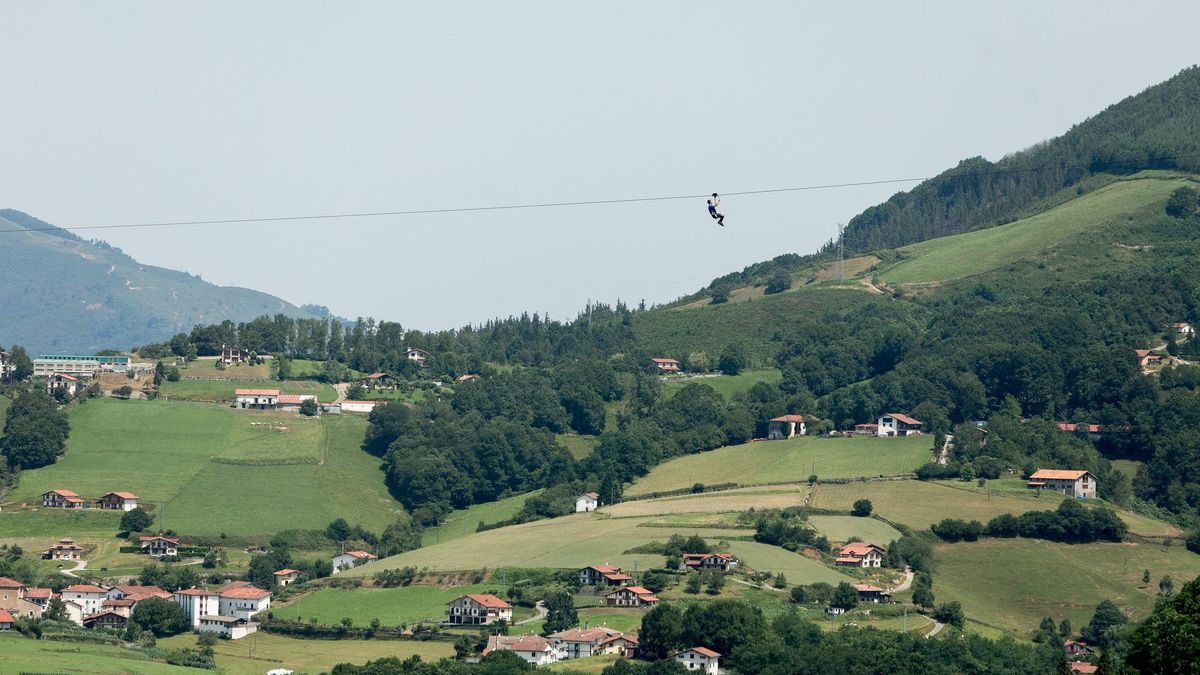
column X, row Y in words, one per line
column 1014, row 583
column 176, row 456
column 23, row 655
column 791, row 460
column 725, row 385
column 842, row 528
column 973, row 253
column 223, row 390
column 919, row 504
column 392, row 606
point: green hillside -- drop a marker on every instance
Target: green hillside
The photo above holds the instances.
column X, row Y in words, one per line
column 217, row 470
column 108, row 299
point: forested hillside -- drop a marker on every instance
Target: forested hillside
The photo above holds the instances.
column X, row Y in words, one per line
column 67, row 294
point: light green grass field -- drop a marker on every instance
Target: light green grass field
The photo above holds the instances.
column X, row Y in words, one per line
column 791, row 460
column 163, row 451
column 207, row 367
column 797, row 568
column 841, row 528
column 579, row 446
column 463, row 522
column 921, row 503
column 592, row 664
column 723, row 502
column 305, row 656
column 392, row 606
column 1014, row 583
column 223, row 390
column 726, row 385
column 22, row 655
column 302, row 368
column 973, row 253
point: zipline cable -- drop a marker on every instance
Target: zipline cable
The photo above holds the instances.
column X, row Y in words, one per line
column 589, row 202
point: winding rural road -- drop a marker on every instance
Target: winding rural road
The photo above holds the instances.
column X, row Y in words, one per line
column 77, row 568
column 937, row 628
column 539, row 612
column 907, row 584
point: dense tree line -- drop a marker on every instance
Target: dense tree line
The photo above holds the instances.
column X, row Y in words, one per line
column 35, row 431
column 1071, row 522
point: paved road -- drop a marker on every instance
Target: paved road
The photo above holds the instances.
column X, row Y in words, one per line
column 81, row 566
column 937, row 628
column 539, row 612
column 341, row 389
column 908, row 579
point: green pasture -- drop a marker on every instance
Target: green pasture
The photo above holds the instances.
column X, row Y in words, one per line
column 726, row 385
column 842, row 528
column 791, row 460
column 392, row 606
column 223, row 390
column 579, row 446
column 23, row 655
column 262, row 651
column 464, row 522
column 175, row 456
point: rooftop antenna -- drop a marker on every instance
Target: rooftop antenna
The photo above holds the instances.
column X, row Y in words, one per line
column 841, row 229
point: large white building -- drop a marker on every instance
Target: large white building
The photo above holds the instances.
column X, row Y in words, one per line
column 72, row 364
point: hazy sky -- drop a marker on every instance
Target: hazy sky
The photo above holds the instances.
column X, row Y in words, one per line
column 131, row 112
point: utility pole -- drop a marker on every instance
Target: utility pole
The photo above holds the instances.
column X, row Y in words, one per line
column 841, row 230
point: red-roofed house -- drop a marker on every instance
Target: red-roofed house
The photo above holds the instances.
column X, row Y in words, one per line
column 68, row 383
column 351, row 559
column 709, row 561
column 1075, row 648
column 870, row 594
column 232, row 355
column 119, row 501
column 62, row 499
column 38, row 596
column 256, row 399
column 6, row 620
column 286, row 577
column 379, row 381
column 478, row 609
column 533, row 649
column 665, row 365
column 137, row 593
column 860, row 554
column 586, row 502
column 580, row 643
column 631, row 596
column 1184, row 328
column 244, row 602
column 90, row 598
column 896, row 424
column 293, row 401
column 157, row 546
column 65, row 549
column 701, row 659
column 107, row 618
column 1072, row 483
column 1071, row 427
column 1084, row 668
column 606, row 575
column 418, row 355
column 785, row 426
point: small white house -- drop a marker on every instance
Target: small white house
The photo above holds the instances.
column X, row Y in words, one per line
column 286, row 577
column 588, row 501
column 418, row 355
column 118, row 501
column 351, row 559
column 156, row 546
column 196, row 603
column 231, row 627
column 243, row 602
column 1185, row 329
column 89, row 597
column 533, row 649
column 699, row 659
column 896, row 424
column 68, row 383
column 786, row 426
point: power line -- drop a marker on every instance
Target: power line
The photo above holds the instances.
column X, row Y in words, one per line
column 588, row 202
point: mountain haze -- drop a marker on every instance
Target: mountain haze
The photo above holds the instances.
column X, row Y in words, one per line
column 67, row 294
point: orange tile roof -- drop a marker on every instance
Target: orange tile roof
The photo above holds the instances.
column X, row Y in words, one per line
column 67, row 377
column 488, row 600
column 361, row 554
column 664, row 360
column 788, row 418
column 1058, row 474
column 281, row 573
column 122, row 495
column 593, row 495
column 84, row 588
column 585, row 634
column 5, row 617
column 39, row 593
column 256, row 392
column 1079, row 667
column 859, row 549
column 5, row 582
column 123, row 602
column 62, row 493
column 703, row 650
column 145, row 538
column 901, row 417
column 195, row 591
column 517, row 643
column 246, row 593
column 604, row 569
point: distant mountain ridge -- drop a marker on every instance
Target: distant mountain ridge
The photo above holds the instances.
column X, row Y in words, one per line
column 62, row 293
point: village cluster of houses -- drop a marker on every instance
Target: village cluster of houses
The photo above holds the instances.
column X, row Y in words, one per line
column 66, row 499
column 480, row 609
column 226, row 611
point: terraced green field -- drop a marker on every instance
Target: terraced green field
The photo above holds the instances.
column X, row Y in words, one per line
column 791, row 460
column 463, row 522
column 392, row 606
column 214, row 469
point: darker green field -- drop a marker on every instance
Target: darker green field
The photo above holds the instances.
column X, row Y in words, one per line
column 725, row 385
column 223, row 390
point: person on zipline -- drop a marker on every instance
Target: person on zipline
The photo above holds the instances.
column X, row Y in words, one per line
column 713, row 203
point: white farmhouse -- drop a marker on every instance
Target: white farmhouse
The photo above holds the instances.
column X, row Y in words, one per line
column 351, row 559
column 700, row 659
column 588, row 501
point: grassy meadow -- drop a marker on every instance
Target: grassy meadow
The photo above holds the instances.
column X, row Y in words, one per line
column 1013, row 583
column 392, row 606
column 842, row 528
column 463, row 522
column 725, row 385
column 206, row 366
column 223, row 390
column 176, row 456
column 261, row 652
column 23, row 655
column 973, row 253
column 791, row 460
column 919, row 504
column 579, row 446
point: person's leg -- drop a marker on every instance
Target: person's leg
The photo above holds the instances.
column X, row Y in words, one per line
column 721, row 219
